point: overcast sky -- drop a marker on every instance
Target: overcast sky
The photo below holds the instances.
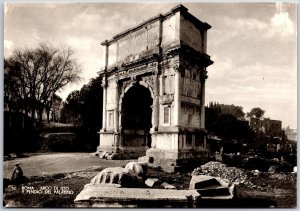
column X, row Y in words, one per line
column 253, row 45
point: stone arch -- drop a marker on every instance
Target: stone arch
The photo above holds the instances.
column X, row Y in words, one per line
column 131, row 84
column 136, row 115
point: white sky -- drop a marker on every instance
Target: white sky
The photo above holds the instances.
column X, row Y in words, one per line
column 253, row 45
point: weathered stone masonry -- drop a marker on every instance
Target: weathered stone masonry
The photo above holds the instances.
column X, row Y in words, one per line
column 154, row 89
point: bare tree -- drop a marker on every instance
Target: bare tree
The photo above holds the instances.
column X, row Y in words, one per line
column 38, row 74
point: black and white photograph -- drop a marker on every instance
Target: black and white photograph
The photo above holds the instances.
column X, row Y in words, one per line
column 150, row 104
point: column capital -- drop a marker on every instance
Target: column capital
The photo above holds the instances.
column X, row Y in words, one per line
column 179, row 69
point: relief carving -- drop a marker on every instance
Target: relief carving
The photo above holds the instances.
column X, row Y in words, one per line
column 124, row 85
column 150, row 81
column 132, row 70
column 133, row 80
column 138, row 41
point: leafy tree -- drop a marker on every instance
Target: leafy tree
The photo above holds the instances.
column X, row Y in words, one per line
column 91, row 96
column 236, row 111
column 227, row 122
column 256, row 112
column 84, row 106
column 72, row 108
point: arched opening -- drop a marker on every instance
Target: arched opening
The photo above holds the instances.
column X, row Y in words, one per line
column 136, row 118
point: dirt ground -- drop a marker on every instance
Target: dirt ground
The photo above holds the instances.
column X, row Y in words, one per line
column 74, row 170
column 52, row 163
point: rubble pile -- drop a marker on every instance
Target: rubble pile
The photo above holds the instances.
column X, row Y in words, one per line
column 217, row 169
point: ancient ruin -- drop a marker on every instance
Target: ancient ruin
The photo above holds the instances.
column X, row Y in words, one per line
column 154, row 90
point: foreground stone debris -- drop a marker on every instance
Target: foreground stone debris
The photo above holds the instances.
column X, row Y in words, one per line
column 212, row 187
column 136, row 168
column 168, row 186
column 109, row 196
column 152, row 182
column 118, row 175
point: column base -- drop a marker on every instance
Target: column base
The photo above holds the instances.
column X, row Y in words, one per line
column 182, row 160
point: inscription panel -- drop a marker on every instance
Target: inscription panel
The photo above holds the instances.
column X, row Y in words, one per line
column 138, row 41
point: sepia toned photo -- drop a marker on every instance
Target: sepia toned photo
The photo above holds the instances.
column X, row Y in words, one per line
column 150, row 105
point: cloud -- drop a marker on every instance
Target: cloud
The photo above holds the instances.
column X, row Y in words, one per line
column 221, row 66
column 282, row 24
column 90, row 60
column 254, row 84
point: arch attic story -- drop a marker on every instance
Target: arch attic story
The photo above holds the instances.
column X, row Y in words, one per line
column 154, row 90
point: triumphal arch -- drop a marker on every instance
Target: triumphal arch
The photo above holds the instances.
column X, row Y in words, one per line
column 154, row 89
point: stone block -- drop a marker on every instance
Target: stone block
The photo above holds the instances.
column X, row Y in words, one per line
column 146, row 159
column 118, row 175
column 152, row 182
column 102, row 154
column 113, row 156
column 106, row 155
column 154, row 152
column 135, row 168
column 168, row 186
column 203, row 181
column 218, row 191
column 105, row 196
column 212, row 187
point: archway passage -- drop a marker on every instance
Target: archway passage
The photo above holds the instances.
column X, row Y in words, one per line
column 137, row 115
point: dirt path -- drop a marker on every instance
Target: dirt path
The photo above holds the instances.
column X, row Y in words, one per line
column 46, row 164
